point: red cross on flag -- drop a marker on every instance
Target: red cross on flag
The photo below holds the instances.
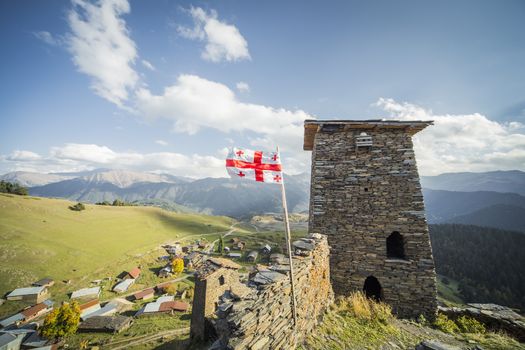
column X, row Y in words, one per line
column 254, row 165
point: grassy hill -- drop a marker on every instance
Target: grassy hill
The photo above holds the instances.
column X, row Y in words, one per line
column 41, row 237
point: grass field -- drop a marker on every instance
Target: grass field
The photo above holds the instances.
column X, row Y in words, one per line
column 41, row 237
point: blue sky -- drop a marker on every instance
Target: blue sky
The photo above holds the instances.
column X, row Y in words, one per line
column 165, row 86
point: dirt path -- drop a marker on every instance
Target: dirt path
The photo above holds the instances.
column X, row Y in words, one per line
column 129, row 342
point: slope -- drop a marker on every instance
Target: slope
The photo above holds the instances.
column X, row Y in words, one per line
column 40, row 237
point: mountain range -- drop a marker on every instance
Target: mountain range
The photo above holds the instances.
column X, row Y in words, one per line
column 493, row 199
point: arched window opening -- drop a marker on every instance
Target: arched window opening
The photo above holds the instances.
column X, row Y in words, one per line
column 221, row 280
column 395, row 247
column 372, row 288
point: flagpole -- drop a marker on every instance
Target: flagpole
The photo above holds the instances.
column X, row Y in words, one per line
column 289, row 247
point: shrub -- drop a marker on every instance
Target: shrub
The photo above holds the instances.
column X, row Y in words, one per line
column 171, row 289
column 177, row 265
column 470, row 325
column 444, row 324
column 62, row 321
column 189, row 293
column 77, row 207
column 366, row 309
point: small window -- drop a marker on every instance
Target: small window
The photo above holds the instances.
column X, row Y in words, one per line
column 363, row 140
column 221, row 280
column 395, row 247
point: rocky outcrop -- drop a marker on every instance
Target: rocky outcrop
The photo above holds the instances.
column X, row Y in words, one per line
column 494, row 317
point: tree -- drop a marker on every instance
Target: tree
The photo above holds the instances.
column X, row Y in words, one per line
column 220, row 246
column 13, row 188
column 61, row 322
column 171, row 289
column 177, row 265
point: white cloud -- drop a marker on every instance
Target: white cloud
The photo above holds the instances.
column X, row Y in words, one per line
column 76, row 157
column 148, row 65
column 194, row 102
column 101, row 47
column 48, row 38
column 161, row 142
column 242, row 87
column 23, row 156
column 470, row 142
column 224, row 42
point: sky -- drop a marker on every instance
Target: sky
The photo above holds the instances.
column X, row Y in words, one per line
column 167, row 86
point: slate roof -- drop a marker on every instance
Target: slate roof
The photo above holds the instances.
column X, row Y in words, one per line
column 106, row 323
column 26, row 291
column 85, row 292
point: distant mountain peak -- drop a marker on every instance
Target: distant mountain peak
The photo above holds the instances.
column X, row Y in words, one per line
column 125, row 178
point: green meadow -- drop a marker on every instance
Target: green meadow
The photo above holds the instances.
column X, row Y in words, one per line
column 41, row 237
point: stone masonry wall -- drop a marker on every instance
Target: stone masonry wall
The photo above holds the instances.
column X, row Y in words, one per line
column 258, row 315
column 358, row 198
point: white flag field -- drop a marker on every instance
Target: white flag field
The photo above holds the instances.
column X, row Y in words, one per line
column 258, row 166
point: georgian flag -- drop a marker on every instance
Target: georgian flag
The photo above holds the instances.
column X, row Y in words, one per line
column 254, row 165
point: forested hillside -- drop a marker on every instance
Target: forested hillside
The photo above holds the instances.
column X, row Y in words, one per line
column 489, row 263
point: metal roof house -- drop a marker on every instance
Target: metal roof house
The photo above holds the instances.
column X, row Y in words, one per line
column 29, row 294
column 252, row 256
column 144, row 294
column 10, row 341
column 124, row 285
column 13, row 319
column 132, row 274
column 44, row 282
column 86, row 292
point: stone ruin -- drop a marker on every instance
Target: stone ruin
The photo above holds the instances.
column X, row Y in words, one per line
column 257, row 313
column 366, row 197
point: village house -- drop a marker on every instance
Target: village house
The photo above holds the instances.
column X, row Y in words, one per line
column 88, row 308
column 252, row 256
column 235, row 255
column 12, row 320
column 45, row 282
column 239, row 245
column 37, row 310
column 165, row 298
column 278, row 259
column 174, row 249
column 144, row 294
column 226, row 250
column 165, row 272
column 266, row 249
column 93, row 292
column 123, row 286
column 163, row 307
column 110, row 324
column 33, row 295
column 109, row 309
column 10, row 341
column 132, row 274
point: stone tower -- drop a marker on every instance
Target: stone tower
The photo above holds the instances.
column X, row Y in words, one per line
column 366, row 196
